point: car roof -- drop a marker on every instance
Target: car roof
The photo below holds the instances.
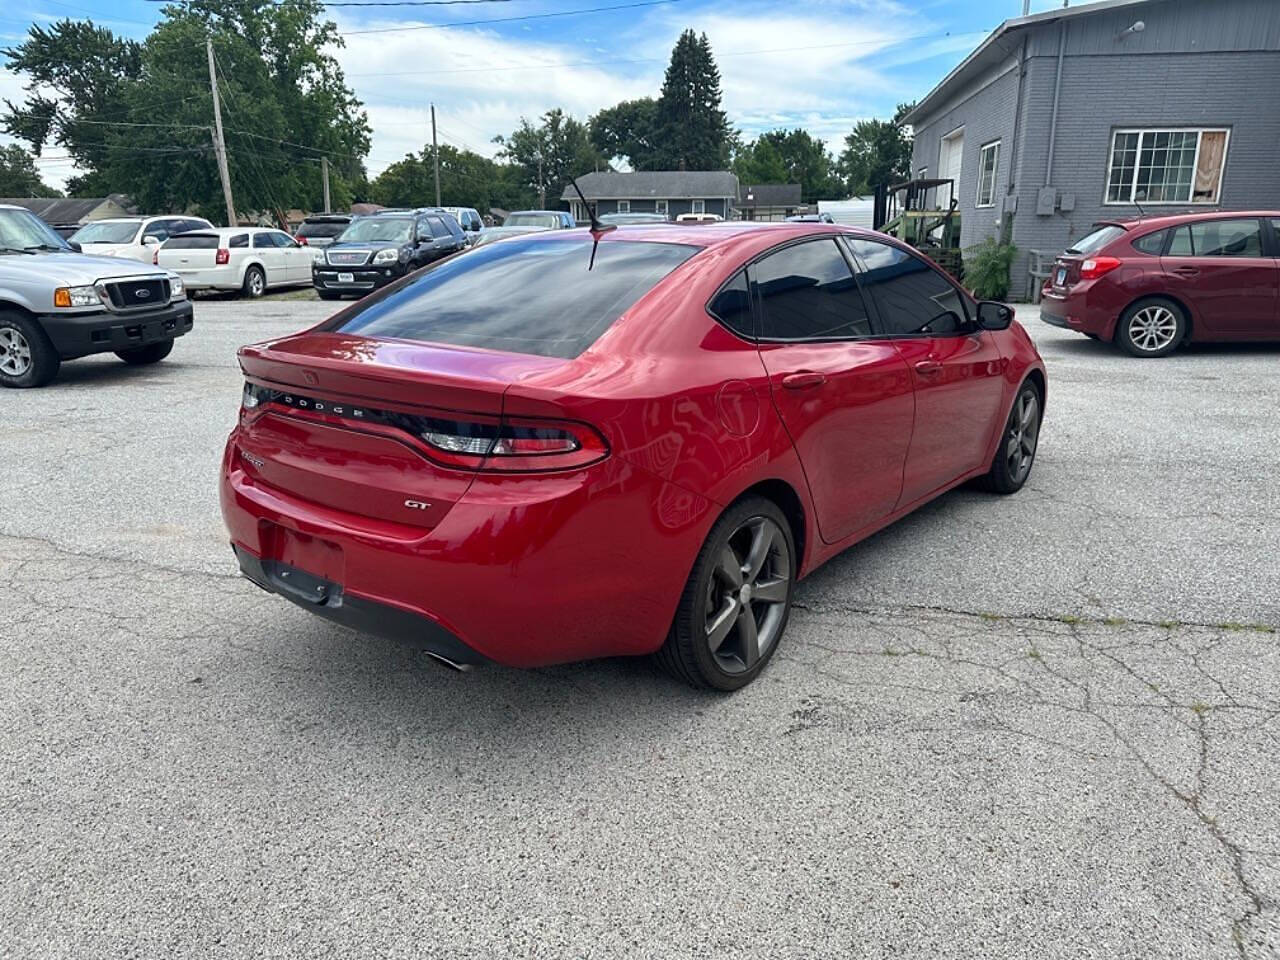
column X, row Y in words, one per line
column 1185, row 216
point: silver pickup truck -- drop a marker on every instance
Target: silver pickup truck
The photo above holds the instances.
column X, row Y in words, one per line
column 56, row 304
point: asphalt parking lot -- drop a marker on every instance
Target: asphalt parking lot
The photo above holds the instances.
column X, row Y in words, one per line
column 1039, row 726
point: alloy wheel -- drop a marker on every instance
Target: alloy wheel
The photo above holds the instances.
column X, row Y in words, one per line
column 15, row 352
column 746, row 603
column 1022, row 435
column 1153, row 328
column 256, row 284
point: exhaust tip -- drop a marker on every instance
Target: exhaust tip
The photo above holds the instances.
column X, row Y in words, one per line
column 446, row 662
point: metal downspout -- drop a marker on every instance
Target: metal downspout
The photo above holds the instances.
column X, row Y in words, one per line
column 1057, row 89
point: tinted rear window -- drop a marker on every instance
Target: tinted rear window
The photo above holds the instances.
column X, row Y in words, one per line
column 192, row 241
column 1152, row 243
column 539, row 295
column 321, row 229
column 1097, row 239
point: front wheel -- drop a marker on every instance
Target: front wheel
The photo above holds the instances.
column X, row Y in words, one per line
column 1154, row 327
column 151, row 353
column 27, row 358
column 737, row 600
column 1016, row 452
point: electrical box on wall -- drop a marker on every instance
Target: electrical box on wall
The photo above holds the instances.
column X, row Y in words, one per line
column 1046, row 200
column 1067, row 202
column 1009, row 204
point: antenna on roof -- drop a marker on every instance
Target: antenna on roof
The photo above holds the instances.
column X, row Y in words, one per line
column 1142, row 214
column 596, row 225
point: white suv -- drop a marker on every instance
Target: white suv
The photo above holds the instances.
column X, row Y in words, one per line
column 134, row 237
column 468, row 219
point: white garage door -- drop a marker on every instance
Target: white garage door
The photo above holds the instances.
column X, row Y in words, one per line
column 949, row 157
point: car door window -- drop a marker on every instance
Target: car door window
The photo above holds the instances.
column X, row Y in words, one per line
column 807, row 292
column 438, row 229
column 1217, row 238
column 160, row 229
column 732, row 306
column 262, row 241
column 283, row 240
column 911, row 297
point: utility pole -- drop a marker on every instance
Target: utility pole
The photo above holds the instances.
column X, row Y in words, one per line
column 324, row 175
column 542, row 187
column 220, row 145
column 435, row 152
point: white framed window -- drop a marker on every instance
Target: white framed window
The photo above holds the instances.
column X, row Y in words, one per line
column 624, row 206
column 1181, row 165
column 699, row 206
column 660, row 206
column 988, row 163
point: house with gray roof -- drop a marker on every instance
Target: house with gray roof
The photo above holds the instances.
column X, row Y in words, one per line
column 65, row 211
column 770, row 201
column 671, row 192
column 1103, row 110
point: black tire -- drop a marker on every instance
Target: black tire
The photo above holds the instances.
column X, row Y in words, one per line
column 151, row 353
column 687, row 654
column 1152, row 327
column 255, row 282
column 27, row 358
column 1092, row 336
column 1005, row 476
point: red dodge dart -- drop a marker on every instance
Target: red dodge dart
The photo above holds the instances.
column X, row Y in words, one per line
column 635, row 441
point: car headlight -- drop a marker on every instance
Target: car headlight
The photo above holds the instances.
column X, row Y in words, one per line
column 76, row 297
column 386, row 256
column 317, row 255
column 177, row 290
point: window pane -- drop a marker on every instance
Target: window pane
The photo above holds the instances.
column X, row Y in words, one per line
column 1123, row 159
column 1152, row 243
column 807, row 292
column 910, row 295
column 261, row 240
column 1227, row 238
column 539, row 295
column 1213, row 150
column 193, row 241
column 732, row 306
column 988, row 163
column 239, row 240
column 1181, row 245
column 1096, row 238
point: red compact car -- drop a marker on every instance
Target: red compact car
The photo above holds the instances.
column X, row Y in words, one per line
column 581, row 444
column 1153, row 284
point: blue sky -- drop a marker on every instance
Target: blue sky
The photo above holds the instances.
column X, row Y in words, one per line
column 823, row 65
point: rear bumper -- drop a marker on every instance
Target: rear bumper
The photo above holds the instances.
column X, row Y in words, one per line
column 1073, row 311
column 79, row 335
column 521, row 571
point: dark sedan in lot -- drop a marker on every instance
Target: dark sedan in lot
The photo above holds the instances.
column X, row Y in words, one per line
column 1152, row 284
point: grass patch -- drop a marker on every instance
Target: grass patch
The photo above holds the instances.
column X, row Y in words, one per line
column 1245, row 627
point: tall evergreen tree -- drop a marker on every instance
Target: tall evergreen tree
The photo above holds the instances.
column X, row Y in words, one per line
column 692, row 132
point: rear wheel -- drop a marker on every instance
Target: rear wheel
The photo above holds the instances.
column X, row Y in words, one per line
column 1016, row 452
column 735, row 606
column 1151, row 328
column 255, row 282
column 27, row 358
column 151, row 353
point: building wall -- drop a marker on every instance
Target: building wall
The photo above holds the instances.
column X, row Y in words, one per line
column 1194, row 65
column 674, row 207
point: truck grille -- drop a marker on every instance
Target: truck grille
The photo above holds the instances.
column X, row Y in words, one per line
column 348, row 258
column 138, row 294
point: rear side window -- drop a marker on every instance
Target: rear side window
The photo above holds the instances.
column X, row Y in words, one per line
column 1152, row 243
column 1097, row 239
column 1217, row 238
column 193, row 241
column 541, row 295
column 321, row 229
column 732, row 306
column 239, row 240
column 911, row 296
column 807, row 292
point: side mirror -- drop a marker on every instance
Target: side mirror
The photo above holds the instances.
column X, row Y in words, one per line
column 994, row 316
column 150, row 241
column 74, row 245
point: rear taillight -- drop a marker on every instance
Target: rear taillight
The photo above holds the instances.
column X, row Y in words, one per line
column 155, row 258
column 222, row 257
column 302, row 241
column 1096, row 267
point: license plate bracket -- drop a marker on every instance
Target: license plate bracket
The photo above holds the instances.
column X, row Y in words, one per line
column 1061, row 278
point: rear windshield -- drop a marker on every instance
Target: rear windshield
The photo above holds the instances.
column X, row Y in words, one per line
column 539, row 295
column 1099, row 238
column 192, row 241
column 321, row 229
column 532, row 220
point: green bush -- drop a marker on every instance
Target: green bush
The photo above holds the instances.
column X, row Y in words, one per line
column 986, row 268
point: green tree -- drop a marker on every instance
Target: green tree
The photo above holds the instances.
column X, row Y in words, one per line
column 136, row 116
column 627, row 130
column 790, row 156
column 691, row 132
column 551, row 154
column 877, row 152
column 466, row 180
column 19, row 176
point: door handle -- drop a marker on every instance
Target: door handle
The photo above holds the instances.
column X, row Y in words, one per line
column 928, row 368
column 1186, row 271
column 804, row 380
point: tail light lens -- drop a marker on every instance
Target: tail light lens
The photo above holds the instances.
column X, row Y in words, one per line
column 302, row 241
column 155, row 257
column 1096, row 267
column 222, row 257
column 508, row 445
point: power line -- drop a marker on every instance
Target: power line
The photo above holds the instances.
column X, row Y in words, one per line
column 529, row 16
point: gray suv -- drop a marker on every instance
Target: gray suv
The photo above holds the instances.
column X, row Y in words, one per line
column 57, row 304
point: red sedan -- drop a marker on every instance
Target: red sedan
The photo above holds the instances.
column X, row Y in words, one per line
column 1151, row 285
column 574, row 444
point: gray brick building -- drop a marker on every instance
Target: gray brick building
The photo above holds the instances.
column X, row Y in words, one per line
column 1066, row 117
